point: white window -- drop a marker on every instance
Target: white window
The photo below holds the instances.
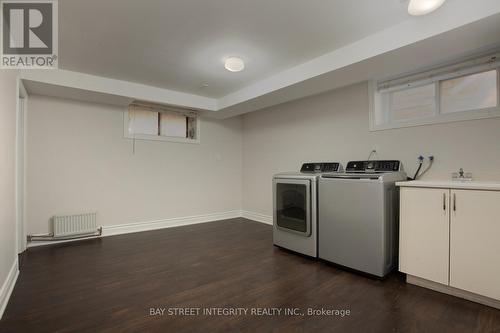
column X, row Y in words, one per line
column 150, row 122
column 465, row 91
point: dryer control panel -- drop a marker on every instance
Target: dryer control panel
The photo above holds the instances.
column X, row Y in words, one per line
column 321, row 167
column 373, row 166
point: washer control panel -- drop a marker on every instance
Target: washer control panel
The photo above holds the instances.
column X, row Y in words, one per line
column 373, row 166
column 321, row 167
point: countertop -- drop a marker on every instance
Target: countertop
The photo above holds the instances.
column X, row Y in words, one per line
column 469, row 185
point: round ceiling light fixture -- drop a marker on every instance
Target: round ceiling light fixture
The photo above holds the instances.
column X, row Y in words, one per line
column 234, row 64
column 422, row 7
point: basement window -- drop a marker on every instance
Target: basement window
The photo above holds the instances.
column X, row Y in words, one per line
column 464, row 91
column 160, row 123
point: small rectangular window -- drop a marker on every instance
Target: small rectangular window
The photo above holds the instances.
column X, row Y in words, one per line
column 161, row 124
column 470, row 92
column 461, row 91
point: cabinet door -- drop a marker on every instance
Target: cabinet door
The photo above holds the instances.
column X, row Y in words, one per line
column 475, row 242
column 424, row 233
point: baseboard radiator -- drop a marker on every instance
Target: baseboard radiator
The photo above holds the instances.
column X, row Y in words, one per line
column 70, row 227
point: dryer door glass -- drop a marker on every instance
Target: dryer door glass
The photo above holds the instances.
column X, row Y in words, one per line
column 292, row 207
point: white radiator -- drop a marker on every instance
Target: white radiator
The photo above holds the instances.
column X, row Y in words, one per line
column 71, row 225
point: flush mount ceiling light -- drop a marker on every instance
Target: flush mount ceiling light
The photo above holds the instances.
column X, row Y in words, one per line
column 234, row 64
column 422, row 7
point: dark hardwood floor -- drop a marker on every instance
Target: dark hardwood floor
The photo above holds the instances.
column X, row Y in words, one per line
column 110, row 285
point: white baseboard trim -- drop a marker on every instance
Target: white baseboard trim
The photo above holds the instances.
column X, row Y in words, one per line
column 168, row 223
column 8, row 286
column 151, row 225
column 258, row 217
column 128, row 228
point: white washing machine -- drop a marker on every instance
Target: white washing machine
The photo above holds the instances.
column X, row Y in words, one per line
column 295, row 202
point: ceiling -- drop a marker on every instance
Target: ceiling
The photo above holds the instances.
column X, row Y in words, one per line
column 181, row 44
column 117, row 51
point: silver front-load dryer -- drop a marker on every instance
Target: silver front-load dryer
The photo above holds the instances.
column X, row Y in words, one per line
column 295, row 201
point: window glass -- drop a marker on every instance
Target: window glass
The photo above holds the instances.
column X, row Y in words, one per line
column 173, row 125
column 413, row 103
column 161, row 124
column 143, row 122
column 471, row 92
column 191, row 123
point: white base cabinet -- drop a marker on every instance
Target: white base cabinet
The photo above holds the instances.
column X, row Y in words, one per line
column 424, row 233
column 475, row 242
column 451, row 237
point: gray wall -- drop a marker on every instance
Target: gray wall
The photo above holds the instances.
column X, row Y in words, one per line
column 334, row 127
column 79, row 161
column 7, row 172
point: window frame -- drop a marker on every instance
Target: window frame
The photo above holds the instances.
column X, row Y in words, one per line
column 378, row 107
column 160, row 109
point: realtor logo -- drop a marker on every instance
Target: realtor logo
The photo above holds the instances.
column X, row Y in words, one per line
column 29, row 34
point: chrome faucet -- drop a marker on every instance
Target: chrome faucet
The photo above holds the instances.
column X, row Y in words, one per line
column 461, row 175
